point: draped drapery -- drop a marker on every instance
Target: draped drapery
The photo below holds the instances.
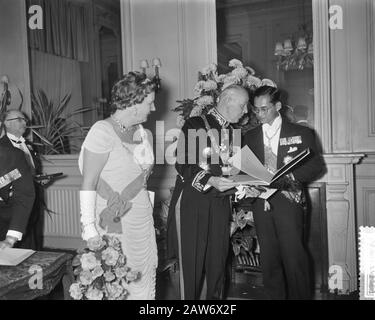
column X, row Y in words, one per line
column 57, row 77
column 65, row 29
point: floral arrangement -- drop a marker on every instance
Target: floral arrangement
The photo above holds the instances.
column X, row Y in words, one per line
column 207, row 90
column 240, row 220
column 101, row 273
column 243, row 238
column 209, row 86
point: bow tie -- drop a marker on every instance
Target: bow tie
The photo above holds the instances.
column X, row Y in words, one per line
column 19, row 141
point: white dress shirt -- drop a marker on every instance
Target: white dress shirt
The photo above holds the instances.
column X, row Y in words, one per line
column 271, row 134
column 20, row 143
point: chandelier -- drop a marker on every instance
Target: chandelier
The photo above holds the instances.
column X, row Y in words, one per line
column 295, row 54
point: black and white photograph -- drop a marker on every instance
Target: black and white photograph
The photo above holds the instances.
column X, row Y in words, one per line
column 178, row 152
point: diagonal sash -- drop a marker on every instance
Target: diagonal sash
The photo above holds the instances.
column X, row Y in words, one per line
column 9, row 178
column 117, row 204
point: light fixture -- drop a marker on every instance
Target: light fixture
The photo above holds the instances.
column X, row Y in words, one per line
column 296, row 52
column 295, row 55
column 156, row 63
column 144, row 65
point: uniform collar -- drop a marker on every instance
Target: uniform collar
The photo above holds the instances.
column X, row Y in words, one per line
column 219, row 118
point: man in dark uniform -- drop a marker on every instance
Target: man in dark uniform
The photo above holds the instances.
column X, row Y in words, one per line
column 16, row 195
column 279, row 220
column 14, row 124
column 199, row 216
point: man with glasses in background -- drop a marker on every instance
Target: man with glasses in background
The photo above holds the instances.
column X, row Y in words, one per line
column 14, row 124
column 279, row 219
column 16, row 196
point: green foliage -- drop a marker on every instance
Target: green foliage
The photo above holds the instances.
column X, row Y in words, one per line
column 54, row 127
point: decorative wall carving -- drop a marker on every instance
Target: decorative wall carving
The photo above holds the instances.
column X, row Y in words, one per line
column 341, row 220
column 365, row 191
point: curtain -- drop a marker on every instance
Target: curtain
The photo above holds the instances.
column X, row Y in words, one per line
column 65, row 29
column 57, row 76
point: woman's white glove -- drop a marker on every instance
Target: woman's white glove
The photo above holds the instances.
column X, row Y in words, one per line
column 87, row 204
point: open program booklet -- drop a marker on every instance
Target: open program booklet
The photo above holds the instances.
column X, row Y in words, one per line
column 13, row 256
column 256, row 174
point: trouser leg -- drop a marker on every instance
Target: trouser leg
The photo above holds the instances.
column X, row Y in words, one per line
column 270, row 258
column 289, row 224
column 194, row 224
column 217, row 248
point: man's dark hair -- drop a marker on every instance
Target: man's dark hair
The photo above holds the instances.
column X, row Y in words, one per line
column 272, row 92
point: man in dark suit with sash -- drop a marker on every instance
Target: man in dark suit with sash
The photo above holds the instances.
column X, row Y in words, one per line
column 199, row 216
column 16, row 195
column 14, row 124
column 279, row 220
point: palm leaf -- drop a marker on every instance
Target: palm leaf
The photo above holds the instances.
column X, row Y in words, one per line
column 52, row 123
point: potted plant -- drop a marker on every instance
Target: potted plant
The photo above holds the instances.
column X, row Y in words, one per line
column 53, row 126
column 243, row 237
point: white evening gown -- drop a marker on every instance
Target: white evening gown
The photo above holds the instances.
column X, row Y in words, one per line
column 138, row 233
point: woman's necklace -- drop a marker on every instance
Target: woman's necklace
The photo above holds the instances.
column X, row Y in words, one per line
column 123, row 129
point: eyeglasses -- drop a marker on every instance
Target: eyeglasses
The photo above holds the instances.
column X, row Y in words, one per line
column 261, row 110
column 19, row 119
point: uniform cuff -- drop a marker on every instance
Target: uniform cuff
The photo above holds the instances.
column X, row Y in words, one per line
column 200, row 181
column 15, row 234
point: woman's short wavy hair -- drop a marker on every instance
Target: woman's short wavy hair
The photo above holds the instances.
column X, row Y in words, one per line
column 130, row 90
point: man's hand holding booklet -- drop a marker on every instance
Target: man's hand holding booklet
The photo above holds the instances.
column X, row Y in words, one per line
column 256, row 174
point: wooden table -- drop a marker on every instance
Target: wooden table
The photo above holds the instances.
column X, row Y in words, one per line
column 55, row 267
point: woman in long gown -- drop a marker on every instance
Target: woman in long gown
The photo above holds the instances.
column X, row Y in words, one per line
column 116, row 159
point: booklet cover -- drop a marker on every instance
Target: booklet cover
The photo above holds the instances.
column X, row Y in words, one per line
column 256, row 174
column 13, row 256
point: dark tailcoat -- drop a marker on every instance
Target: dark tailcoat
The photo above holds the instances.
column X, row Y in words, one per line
column 204, row 215
column 33, row 238
column 14, row 213
column 284, row 259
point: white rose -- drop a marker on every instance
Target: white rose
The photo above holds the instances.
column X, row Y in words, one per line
column 253, row 81
column 209, row 85
column 205, row 101
column 199, row 86
column 235, row 63
column 240, row 72
column 196, row 112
